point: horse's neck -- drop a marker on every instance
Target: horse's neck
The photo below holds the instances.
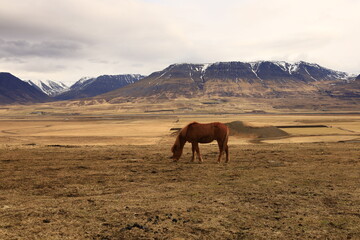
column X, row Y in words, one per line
column 182, row 137
column 182, row 141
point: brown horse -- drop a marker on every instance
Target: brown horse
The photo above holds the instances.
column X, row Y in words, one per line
column 196, row 133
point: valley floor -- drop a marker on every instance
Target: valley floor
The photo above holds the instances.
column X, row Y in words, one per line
column 110, row 177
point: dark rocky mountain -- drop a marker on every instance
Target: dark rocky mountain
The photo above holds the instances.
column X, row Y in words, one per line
column 89, row 87
column 49, row 87
column 14, row 90
column 263, row 79
column 358, row 77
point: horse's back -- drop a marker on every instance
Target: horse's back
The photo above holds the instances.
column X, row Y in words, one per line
column 206, row 132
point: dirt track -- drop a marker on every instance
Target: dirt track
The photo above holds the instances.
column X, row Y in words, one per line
column 267, row 191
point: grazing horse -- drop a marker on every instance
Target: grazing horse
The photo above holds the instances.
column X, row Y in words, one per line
column 196, row 133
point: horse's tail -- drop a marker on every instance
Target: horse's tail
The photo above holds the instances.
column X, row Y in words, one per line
column 226, row 138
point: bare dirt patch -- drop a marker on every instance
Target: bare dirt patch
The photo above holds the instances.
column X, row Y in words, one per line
column 241, row 129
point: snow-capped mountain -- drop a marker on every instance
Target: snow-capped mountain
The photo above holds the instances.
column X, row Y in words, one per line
column 122, row 79
column 82, row 82
column 89, row 87
column 310, row 71
column 261, row 79
column 49, row 87
column 15, row 90
column 254, row 81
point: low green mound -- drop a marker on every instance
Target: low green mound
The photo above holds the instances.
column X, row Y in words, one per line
column 238, row 128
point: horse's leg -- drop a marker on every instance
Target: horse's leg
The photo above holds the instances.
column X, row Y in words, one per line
column 227, row 153
column 198, row 152
column 221, row 150
column 193, row 148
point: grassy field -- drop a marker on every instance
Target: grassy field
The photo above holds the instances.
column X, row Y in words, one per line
column 69, row 174
column 267, row 191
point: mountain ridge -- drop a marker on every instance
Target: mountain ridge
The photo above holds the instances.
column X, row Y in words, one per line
column 263, row 80
column 90, row 87
column 14, row 90
column 268, row 79
column 51, row 88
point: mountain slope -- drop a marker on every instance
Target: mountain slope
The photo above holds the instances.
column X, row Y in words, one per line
column 49, row 87
column 263, row 79
column 89, row 87
column 14, row 90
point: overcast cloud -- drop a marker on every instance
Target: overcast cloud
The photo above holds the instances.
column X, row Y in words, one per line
column 64, row 40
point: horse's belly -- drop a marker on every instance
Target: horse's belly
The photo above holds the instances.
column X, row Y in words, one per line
column 206, row 140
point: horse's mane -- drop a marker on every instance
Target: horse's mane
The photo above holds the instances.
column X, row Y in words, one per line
column 184, row 130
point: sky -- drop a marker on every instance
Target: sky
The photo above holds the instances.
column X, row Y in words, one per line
column 65, row 40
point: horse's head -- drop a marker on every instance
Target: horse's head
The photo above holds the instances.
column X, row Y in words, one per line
column 177, row 151
column 178, row 146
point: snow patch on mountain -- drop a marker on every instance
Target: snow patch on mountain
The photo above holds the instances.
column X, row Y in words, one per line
column 49, row 87
column 255, row 66
column 283, row 65
column 295, row 68
column 82, row 82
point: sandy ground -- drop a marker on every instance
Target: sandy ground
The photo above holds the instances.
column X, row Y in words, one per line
column 144, row 129
column 109, row 177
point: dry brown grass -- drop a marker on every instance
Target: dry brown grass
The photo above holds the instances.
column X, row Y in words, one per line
column 96, row 176
column 276, row 191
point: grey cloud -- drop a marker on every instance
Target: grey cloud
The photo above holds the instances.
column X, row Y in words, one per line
column 15, row 60
column 44, row 67
column 28, row 28
column 49, row 49
column 100, row 61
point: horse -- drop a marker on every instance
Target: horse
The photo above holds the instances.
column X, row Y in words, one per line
column 196, row 133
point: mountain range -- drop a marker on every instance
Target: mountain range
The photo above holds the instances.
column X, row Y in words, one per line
column 263, row 79
column 15, row 90
column 251, row 80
